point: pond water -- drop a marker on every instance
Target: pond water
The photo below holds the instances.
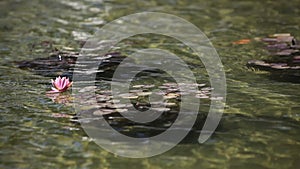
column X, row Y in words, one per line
column 260, row 127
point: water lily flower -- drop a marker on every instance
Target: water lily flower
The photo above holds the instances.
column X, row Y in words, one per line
column 60, row 84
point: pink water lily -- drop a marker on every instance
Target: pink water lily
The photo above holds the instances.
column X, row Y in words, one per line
column 60, row 85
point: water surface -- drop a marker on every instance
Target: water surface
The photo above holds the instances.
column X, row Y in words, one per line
column 259, row 129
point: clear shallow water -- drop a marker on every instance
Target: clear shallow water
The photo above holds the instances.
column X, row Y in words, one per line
column 260, row 127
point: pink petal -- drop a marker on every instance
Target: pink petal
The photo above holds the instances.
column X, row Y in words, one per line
column 60, row 83
column 52, row 88
column 57, row 86
column 53, row 91
column 64, row 82
column 70, row 84
column 53, row 83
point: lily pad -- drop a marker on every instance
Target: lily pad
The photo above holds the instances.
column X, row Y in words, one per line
column 101, row 112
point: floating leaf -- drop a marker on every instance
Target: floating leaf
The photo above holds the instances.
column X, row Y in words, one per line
column 61, row 115
column 280, row 34
column 287, row 39
column 216, row 98
column 296, row 59
column 121, row 110
column 121, row 105
column 171, row 96
column 138, row 86
column 162, row 109
column 148, row 86
column 242, row 42
column 144, row 93
column 287, row 52
column 169, row 104
column 278, row 46
column 202, row 96
column 128, row 96
column 101, row 112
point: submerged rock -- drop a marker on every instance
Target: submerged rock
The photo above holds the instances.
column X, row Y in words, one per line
column 58, row 63
column 62, row 63
column 284, row 61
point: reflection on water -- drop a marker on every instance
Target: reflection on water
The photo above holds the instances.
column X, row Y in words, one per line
column 260, row 127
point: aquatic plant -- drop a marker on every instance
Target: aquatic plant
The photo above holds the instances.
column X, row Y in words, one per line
column 60, row 84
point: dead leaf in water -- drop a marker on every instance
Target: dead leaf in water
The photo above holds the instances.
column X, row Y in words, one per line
column 242, row 42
